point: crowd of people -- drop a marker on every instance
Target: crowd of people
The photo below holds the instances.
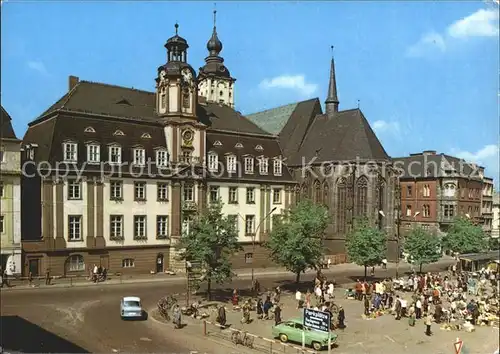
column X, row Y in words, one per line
column 461, row 299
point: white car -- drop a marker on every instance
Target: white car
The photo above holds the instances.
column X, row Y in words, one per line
column 131, row 308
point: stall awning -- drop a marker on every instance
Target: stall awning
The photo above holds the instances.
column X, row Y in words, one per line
column 487, row 256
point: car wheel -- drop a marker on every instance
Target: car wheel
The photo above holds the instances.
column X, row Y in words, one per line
column 283, row 338
column 316, row 346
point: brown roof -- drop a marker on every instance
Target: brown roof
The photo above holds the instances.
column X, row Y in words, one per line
column 6, row 129
column 108, row 108
column 432, row 165
column 139, row 105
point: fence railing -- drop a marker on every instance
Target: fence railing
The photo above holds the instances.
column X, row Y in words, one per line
column 69, row 280
column 253, row 342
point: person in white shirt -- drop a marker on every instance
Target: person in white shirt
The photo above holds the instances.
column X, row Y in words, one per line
column 418, row 309
column 404, row 305
column 329, row 262
column 298, row 298
column 330, row 290
column 319, row 294
column 384, row 263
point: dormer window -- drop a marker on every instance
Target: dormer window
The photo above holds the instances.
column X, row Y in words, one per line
column 277, row 167
column 217, row 143
column 213, row 161
column 89, row 130
column 231, row 163
column 259, row 148
column 139, row 156
column 119, row 133
column 161, row 158
column 115, row 154
column 263, row 165
column 146, row 136
column 239, row 146
column 249, row 165
column 70, row 152
column 93, row 153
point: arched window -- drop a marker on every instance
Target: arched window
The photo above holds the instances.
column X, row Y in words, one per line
column 362, row 196
column 75, row 263
column 317, row 192
column 341, row 205
column 326, row 194
column 381, row 200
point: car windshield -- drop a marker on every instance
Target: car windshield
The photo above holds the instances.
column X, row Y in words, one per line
column 132, row 303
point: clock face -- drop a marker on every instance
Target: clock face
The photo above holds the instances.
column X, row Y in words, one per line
column 187, row 135
column 186, row 74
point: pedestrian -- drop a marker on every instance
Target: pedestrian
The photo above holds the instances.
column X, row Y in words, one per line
column 428, row 323
column 308, row 299
column 221, row 316
column 235, row 299
column 259, row 309
column 372, row 273
column 267, row 306
column 384, row 263
column 359, row 290
column 277, row 315
column 418, row 309
column 47, row 277
column 398, row 308
column 30, row 279
column 367, row 305
column 341, row 317
column 328, row 263
column 298, row 298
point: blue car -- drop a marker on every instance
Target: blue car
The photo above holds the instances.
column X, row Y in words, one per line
column 131, row 308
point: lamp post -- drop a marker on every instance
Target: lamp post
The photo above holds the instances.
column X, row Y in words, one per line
column 255, row 234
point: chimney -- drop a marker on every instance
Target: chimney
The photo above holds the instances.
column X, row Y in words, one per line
column 73, row 81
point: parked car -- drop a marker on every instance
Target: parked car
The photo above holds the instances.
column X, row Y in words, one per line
column 131, row 308
column 291, row 330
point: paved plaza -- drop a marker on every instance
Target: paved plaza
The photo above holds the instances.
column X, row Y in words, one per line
column 380, row 335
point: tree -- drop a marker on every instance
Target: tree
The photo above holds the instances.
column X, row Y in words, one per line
column 366, row 245
column 296, row 239
column 422, row 247
column 211, row 241
column 494, row 243
column 464, row 237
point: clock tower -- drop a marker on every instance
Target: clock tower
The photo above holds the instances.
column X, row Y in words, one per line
column 176, row 102
column 176, row 87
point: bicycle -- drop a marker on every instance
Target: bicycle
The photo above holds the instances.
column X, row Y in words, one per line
column 238, row 338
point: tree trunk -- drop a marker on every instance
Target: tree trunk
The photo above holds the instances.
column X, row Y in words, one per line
column 297, row 277
column 366, row 267
column 420, row 268
column 209, row 289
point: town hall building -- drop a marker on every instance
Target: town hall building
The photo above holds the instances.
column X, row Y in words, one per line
column 114, row 175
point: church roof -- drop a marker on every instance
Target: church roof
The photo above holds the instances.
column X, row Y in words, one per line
column 305, row 132
column 6, row 129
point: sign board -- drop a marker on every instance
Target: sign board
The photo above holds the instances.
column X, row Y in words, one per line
column 458, row 346
column 317, row 320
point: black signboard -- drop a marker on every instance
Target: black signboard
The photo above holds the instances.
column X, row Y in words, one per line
column 317, row 320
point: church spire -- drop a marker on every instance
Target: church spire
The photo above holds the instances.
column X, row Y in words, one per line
column 332, row 101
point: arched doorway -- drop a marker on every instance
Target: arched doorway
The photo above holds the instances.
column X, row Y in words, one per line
column 159, row 263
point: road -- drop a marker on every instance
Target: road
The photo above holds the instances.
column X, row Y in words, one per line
column 86, row 319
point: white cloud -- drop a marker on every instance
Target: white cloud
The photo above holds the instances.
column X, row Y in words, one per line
column 381, row 127
column 431, row 41
column 487, row 157
column 482, row 23
column 291, row 82
column 38, row 66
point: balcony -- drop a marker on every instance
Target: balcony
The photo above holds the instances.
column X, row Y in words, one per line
column 189, row 160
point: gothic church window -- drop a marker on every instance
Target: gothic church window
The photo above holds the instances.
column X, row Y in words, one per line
column 341, row 205
column 326, row 194
column 362, row 196
column 317, row 192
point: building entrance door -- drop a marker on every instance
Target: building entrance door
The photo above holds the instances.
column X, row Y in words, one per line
column 159, row 263
column 34, row 267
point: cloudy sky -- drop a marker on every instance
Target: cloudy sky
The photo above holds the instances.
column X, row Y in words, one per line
column 425, row 73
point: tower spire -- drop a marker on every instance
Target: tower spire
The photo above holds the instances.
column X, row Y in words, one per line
column 332, row 101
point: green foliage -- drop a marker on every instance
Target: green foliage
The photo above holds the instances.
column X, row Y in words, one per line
column 296, row 240
column 366, row 245
column 212, row 240
column 422, row 246
column 494, row 243
column 465, row 237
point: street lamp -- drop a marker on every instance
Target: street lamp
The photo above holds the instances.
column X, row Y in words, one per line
column 255, row 234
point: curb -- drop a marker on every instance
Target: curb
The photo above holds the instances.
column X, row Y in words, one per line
column 303, row 350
